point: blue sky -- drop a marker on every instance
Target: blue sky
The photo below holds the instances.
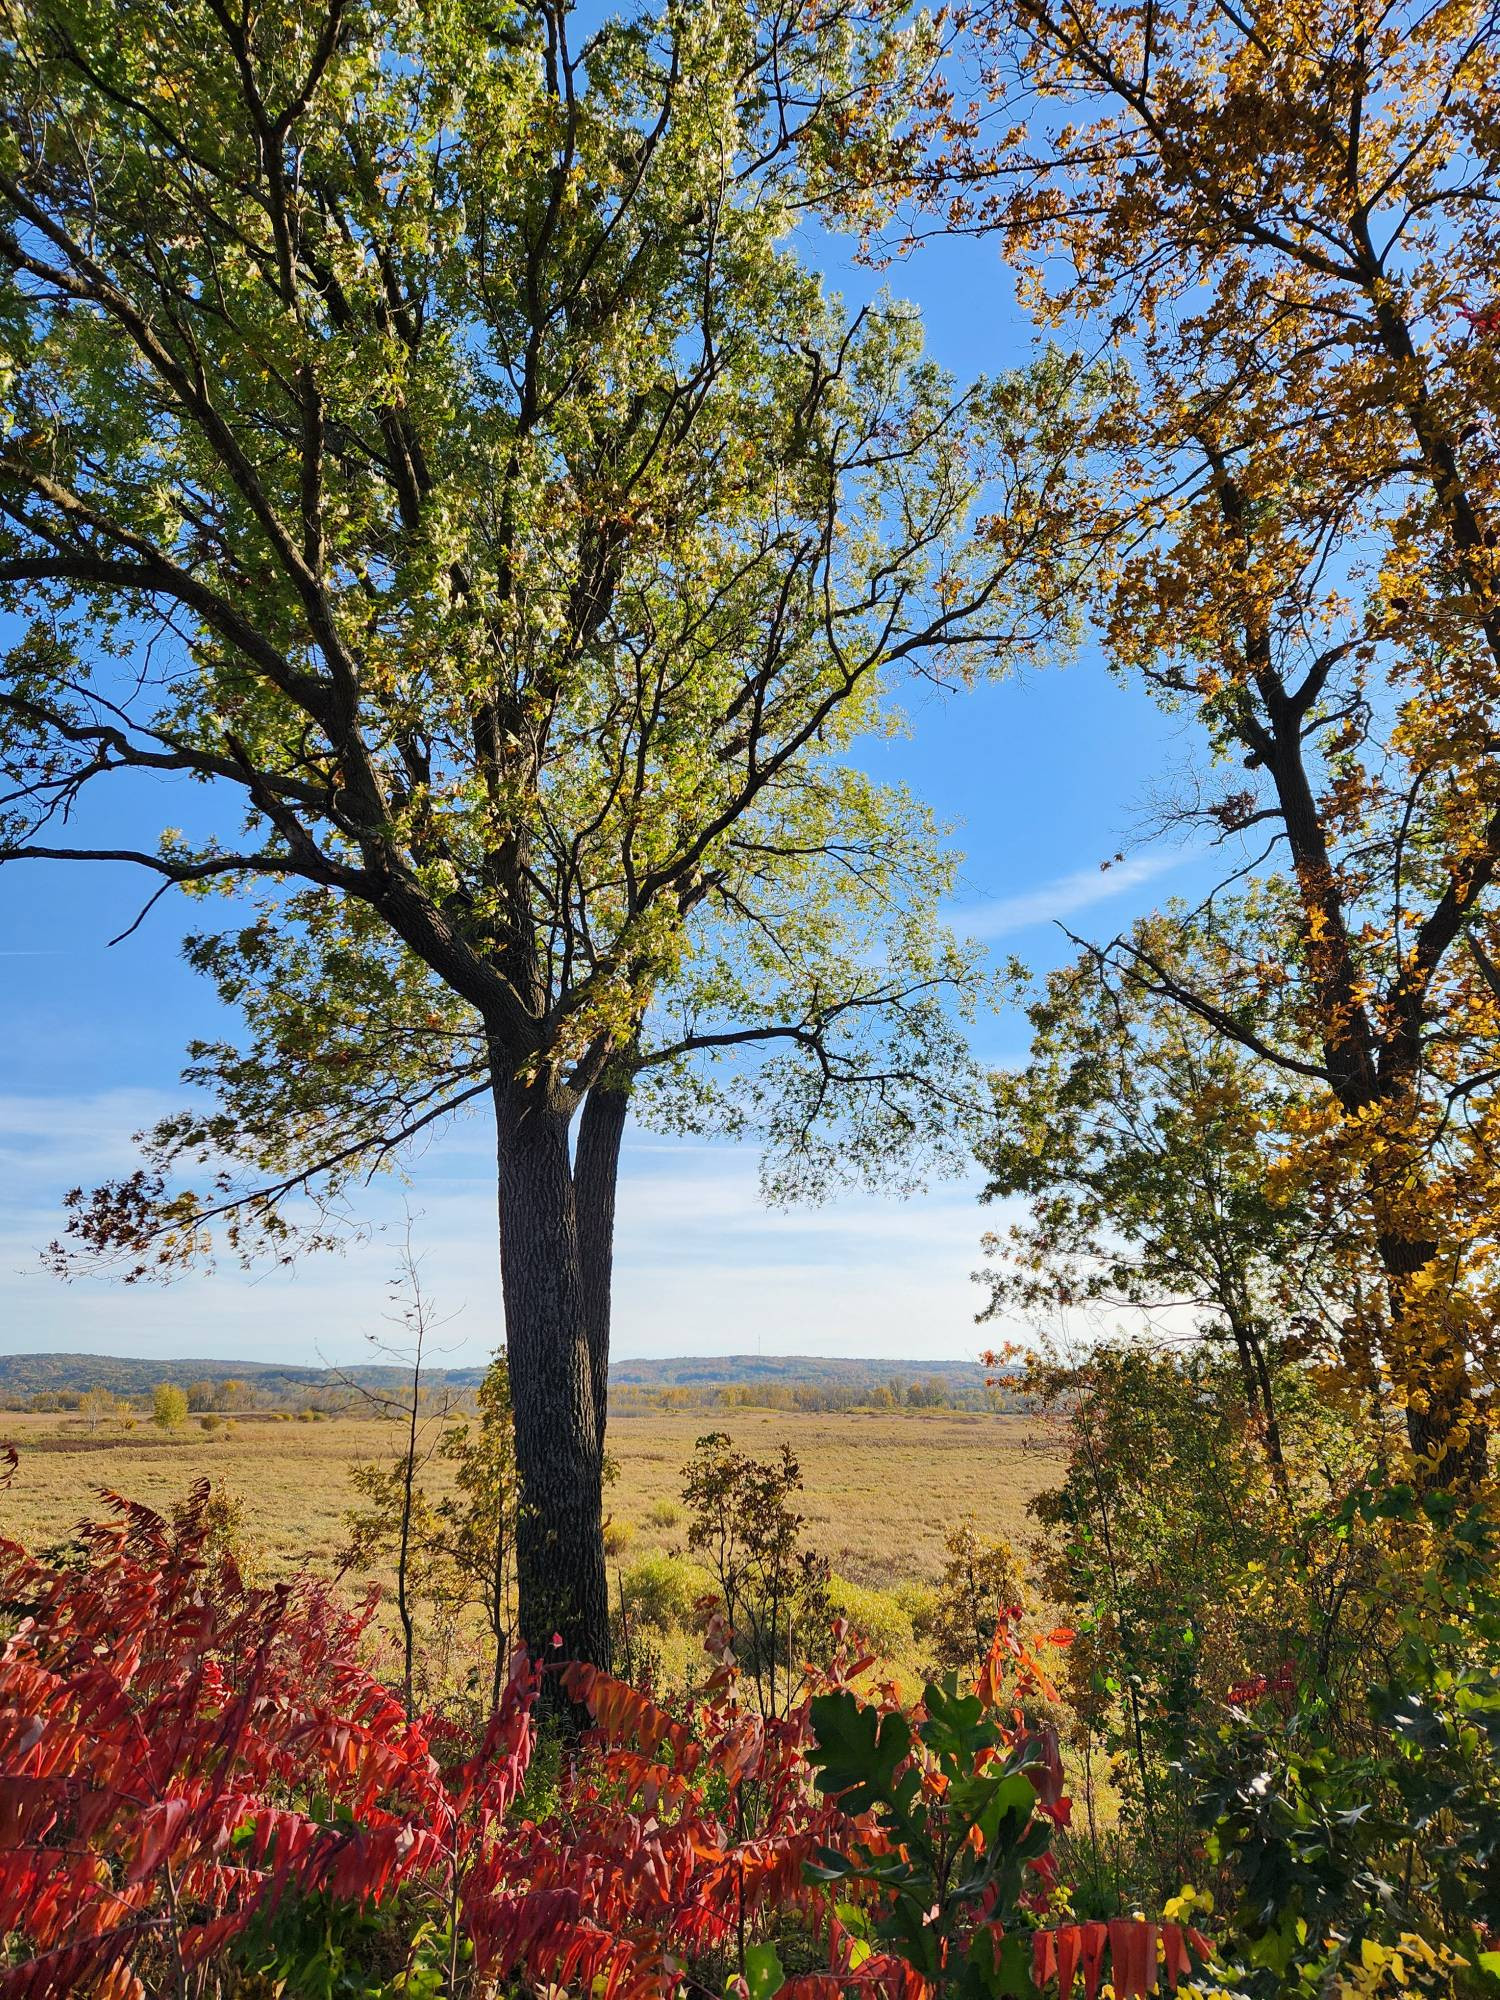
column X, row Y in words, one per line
column 1046, row 779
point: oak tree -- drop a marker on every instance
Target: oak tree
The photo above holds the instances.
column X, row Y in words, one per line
column 423, row 444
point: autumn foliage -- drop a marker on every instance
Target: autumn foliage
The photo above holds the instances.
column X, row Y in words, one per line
column 186, row 1761
column 181, row 1753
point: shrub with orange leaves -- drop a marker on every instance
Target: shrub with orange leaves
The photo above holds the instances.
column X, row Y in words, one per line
column 196, row 1774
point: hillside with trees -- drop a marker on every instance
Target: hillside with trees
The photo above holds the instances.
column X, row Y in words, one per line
column 266, row 1384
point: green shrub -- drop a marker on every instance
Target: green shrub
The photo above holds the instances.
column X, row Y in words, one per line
column 1360, row 1821
column 876, row 1615
column 919, row 1602
column 618, row 1536
column 168, row 1406
column 662, row 1590
column 663, row 1514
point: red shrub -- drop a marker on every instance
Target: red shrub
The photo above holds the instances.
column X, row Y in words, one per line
column 182, row 1755
column 179, row 1751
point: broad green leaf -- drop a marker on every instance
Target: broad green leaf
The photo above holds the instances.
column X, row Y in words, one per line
column 763, row 1971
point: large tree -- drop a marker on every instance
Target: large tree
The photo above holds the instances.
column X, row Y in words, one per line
column 1276, row 227
column 422, row 443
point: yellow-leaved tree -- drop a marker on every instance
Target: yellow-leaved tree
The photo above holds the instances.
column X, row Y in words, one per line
column 1269, row 234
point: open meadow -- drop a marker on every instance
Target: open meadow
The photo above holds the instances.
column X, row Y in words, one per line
column 881, row 1488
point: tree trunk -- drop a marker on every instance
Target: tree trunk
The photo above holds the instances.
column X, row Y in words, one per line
column 1274, row 1449
column 1260, row 1401
column 1444, row 1425
column 561, row 1582
column 596, row 1173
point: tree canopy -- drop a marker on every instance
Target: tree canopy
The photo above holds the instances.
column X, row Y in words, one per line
column 1162, row 1178
column 1271, row 234
column 442, row 460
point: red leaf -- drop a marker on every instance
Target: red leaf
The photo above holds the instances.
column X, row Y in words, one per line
column 1043, row 1957
column 1069, row 1950
column 1174, row 1947
column 160, row 1827
column 1094, row 1939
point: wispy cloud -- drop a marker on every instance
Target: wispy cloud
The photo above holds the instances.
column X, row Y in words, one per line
column 1065, row 895
column 702, row 1266
column 73, row 1138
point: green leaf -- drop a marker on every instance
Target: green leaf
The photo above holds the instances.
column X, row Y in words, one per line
column 856, row 1751
column 956, row 1727
column 763, row 1971
column 1012, row 1973
column 1015, row 1799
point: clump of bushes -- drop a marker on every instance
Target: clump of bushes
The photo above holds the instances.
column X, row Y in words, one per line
column 751, row 1561
column 432, row 1866
column 916, row 1601
column 664, row 1590
column 879, row 1618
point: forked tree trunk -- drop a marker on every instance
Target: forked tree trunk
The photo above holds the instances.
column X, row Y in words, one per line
column 596, row 1173
column 560, row 1573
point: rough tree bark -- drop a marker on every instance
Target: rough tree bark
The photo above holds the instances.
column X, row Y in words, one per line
column 560, row 1572
column 596, row 1172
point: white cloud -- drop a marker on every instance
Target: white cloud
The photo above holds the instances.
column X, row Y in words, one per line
column 73, row 1138
column 702, row 1266
column 1064, row 896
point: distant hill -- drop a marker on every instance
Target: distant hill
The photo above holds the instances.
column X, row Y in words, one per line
column 39, row 1374
column 795, row 1370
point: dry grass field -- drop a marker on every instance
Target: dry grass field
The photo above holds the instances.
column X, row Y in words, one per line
column 881, row 1488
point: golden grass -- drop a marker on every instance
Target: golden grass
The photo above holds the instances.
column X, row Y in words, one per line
column 881, row 1488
